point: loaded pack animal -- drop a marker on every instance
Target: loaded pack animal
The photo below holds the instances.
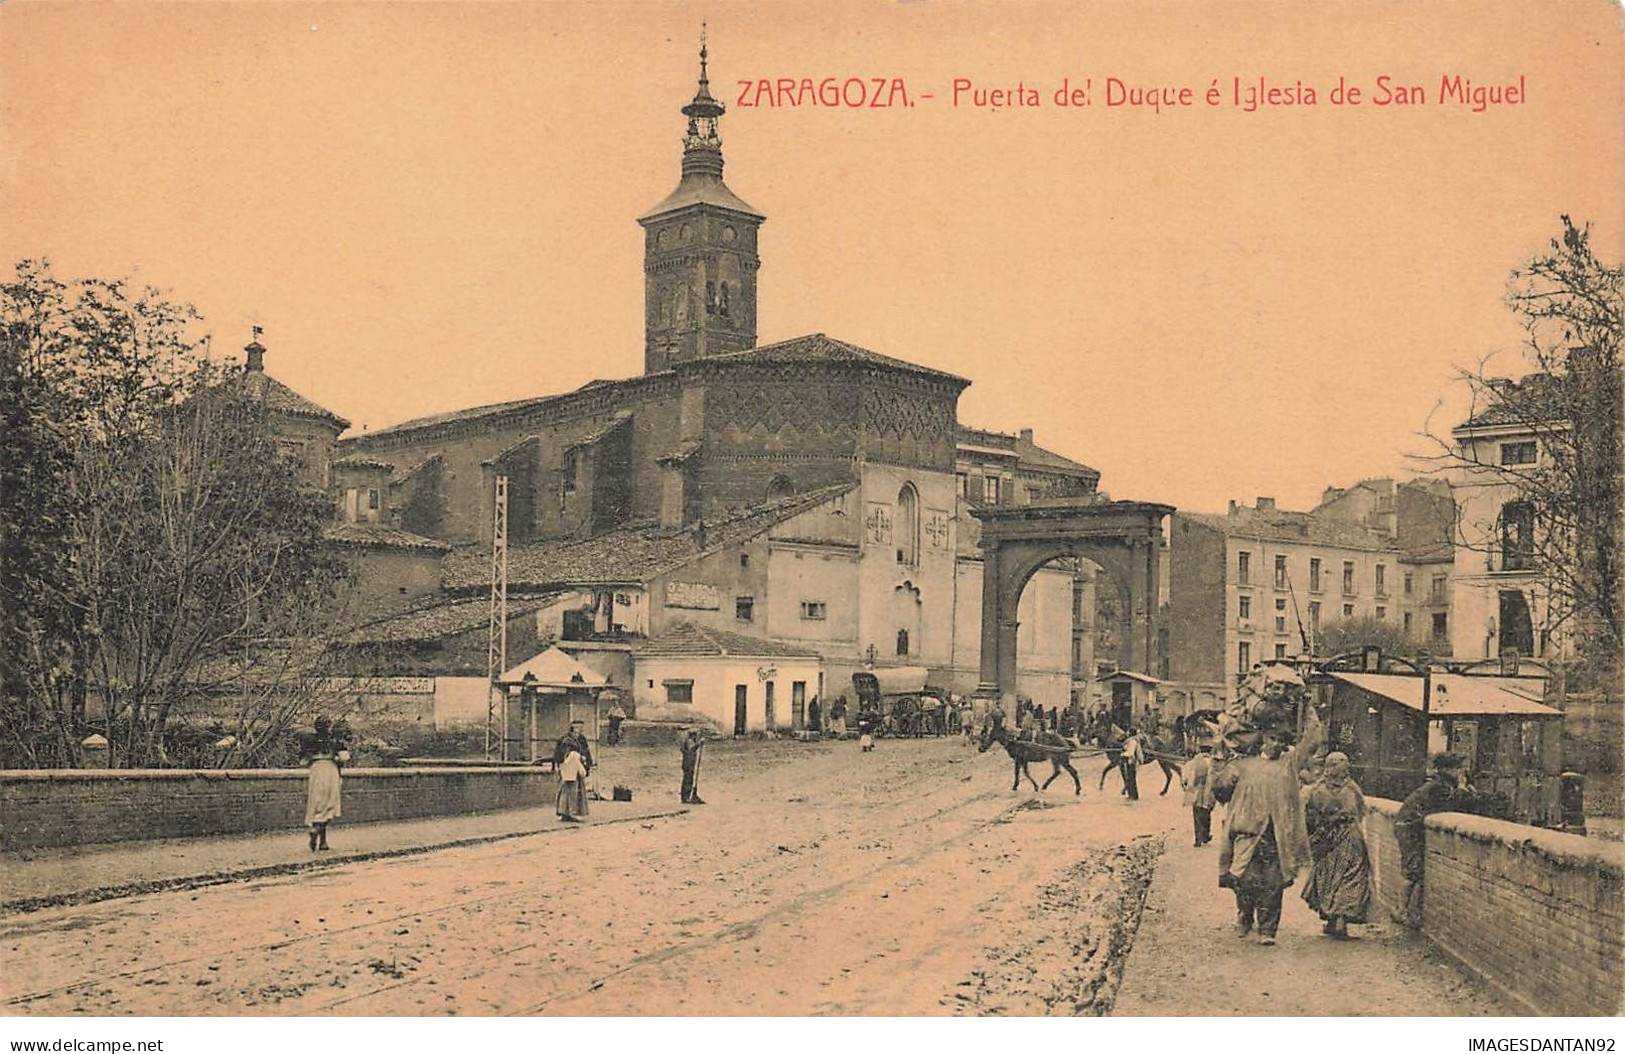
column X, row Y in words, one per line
column 1023, row 752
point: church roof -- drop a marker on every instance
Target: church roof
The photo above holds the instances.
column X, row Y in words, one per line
column 632, row 554
column 279, row 398
column 686, row 640
column 819, row 347
column 380, row 536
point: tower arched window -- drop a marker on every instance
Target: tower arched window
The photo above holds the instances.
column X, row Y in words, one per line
column 722, row 300
column 781, row 487
column 710, row 298
column 907, row 526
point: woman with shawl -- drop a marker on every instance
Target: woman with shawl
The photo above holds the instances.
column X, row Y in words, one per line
column 1339, row 885
column 572, row 799
column 325, row 752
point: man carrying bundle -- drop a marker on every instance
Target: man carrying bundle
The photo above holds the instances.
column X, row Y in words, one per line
column 1265, row 840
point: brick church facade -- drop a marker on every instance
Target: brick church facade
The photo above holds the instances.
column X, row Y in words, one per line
column 807, row 491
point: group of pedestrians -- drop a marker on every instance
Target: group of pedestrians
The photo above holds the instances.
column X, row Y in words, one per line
column 1290, row 810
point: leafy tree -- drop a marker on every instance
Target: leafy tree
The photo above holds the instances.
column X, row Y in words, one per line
column 1356, row 634
column 158, row 547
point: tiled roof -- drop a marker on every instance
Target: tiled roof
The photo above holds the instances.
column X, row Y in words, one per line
column 701, row 188
column 687, row 640
column 1049, row 461
column 1537, row 398
column 1283, row 526
column 358, row 461
column 635, row 553
column 407, row 473
column 1439, row 553
column 377, row 535
column 280, row 398
column 818, row 347
column 442, row 618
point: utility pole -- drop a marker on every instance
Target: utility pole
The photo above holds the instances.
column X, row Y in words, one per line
column 496, row 656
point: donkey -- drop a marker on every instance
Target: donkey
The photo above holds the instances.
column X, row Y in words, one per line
column 1023, row 752
column 1113, row 746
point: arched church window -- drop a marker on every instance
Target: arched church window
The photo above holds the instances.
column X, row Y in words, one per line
column 780, row 488
column 710, row 298
column 722, row 300
column 907, row 526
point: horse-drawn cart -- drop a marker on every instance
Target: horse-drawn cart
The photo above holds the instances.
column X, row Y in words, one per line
column 897, row 701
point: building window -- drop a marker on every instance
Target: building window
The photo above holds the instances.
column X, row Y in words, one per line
column 1280, row 651
column 963, row 482
column 1280, row 623
column 1382, row 612
column 990, row 489
column 1407, row 623
column 1244, row 657
column 1314, row 574
column 902, row 642
column 744, row 608
column 1382, row 580
column 1441, row 625
column 1280, row 572
column 1436, row 592
column 1314, row 616
column 1245, row 607
column 1517, row 453
column 812, row 609
column 679, row 691
column 1517, row 536
column 1348, row 610
column 1348, row 578
column 1410, row 583
column 1244, row 568
column 907, row 526
column 1280, row 603
column 372, row 498
column 744, row 559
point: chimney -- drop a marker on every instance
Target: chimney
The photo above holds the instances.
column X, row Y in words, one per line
column 1266, row 504
column 255, row 352
column 1026, row 435
column 1232, row 506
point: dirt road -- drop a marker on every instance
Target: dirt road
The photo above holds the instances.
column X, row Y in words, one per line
column 817, row 880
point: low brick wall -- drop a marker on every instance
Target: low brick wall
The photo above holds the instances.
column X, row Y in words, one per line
column 64, row 807
column 1538, row 914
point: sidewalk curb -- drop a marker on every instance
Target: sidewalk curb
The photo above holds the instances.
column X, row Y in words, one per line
column 25, row 905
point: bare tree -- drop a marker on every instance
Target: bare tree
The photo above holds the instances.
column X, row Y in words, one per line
column 1568, row 523
column 167, row 549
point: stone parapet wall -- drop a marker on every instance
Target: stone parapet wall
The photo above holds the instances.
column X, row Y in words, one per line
column 1538, row 914
column 68, row 807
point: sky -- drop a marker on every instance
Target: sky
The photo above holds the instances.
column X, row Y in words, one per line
column 431, row 207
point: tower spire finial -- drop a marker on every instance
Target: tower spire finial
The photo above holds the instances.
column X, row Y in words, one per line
column 704, row 55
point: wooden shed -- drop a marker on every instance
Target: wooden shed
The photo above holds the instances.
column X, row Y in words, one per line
column 1390, row 723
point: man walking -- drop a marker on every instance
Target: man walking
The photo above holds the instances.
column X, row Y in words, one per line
column 1266, row 843
column 1195, row 777
column 693, row 745
column 1133, row 755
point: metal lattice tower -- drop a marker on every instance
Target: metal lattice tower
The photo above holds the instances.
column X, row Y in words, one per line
column 496, row 656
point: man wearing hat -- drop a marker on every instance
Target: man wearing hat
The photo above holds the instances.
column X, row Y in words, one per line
column 1441, row 792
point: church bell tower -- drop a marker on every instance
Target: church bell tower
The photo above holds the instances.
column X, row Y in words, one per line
column 699, row 252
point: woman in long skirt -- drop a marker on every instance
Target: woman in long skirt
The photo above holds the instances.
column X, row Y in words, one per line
column 323, row 784
column 572, row 801
column 1339, row 885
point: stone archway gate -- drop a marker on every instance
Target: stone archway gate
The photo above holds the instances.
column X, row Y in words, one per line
column 1122, row 537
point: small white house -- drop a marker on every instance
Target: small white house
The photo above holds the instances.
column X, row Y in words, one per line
column 741, row 684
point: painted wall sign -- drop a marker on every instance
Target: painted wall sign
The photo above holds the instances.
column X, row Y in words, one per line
column 696, row 596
